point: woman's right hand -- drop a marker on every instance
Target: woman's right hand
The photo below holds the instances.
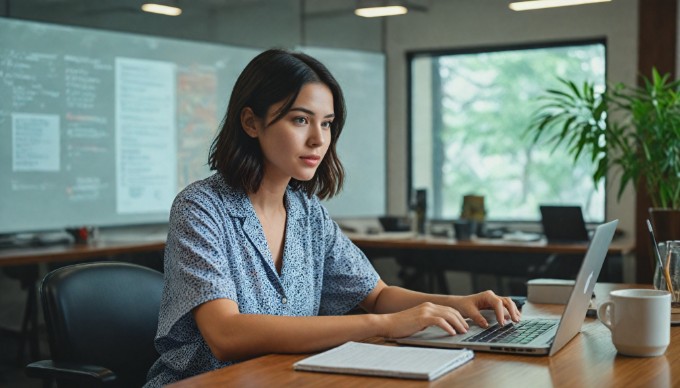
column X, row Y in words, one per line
column 411, row 321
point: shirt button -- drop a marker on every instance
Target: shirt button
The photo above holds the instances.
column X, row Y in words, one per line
column 284, row 300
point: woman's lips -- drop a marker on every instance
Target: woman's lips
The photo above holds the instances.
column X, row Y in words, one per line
column 311, row 160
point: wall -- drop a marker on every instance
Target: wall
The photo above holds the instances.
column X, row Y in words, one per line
column 471, row 23
column 445, row 24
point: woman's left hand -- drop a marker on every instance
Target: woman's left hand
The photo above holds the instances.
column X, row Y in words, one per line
column 504, row 307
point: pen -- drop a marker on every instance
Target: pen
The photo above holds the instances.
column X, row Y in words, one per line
column 665, row 271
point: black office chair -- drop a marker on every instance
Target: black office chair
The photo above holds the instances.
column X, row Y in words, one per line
column 101, row 321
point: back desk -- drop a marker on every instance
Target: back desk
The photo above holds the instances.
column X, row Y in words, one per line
column 428, row 253
column 432, row 256
column 425, row 243
column 75, row 252
column 589, row 360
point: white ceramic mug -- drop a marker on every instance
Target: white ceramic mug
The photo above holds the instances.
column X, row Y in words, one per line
column 640, row 321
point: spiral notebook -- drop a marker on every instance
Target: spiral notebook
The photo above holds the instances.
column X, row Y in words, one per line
column 385, row 360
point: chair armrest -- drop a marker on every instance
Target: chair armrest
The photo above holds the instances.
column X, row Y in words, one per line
column 48, row 369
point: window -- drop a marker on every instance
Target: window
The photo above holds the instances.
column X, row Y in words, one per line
column 468, row 115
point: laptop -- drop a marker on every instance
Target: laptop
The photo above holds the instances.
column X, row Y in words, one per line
column 563, row 224
column 535, row 336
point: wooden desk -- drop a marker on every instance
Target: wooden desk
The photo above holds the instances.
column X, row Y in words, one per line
column 75, row 252
column 432, row 256
column 589, row 360
column 385, row 240
column 104, row 247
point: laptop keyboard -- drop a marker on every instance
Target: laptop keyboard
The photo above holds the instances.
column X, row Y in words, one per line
column 514, row 333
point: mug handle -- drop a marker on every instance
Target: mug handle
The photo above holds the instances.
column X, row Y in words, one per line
column 602, row 313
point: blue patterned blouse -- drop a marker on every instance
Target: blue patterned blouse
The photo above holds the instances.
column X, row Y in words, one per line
column 216, row 248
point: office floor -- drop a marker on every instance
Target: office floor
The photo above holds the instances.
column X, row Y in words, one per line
column 12, row 305
column 11, row 372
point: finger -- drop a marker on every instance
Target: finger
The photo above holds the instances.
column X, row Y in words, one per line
column 458, row 323
column 446, row 318
column 491, row 301
column 498, row 307
column 510, row 309
column 462, row 319
column 444, row 324
column 479, row 319
column 513, row 311
column 516, row 314
column 454, row 318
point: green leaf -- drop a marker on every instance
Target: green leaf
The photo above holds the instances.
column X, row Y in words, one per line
column 636, row 129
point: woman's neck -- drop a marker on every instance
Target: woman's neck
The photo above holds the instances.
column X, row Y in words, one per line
column 268, row 203
column 268, row 199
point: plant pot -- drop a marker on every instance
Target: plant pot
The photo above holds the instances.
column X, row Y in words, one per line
column 666, row 223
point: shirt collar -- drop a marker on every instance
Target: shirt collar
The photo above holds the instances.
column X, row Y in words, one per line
column 241, row 207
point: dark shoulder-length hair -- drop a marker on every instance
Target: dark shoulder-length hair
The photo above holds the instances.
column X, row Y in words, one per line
column 271, row 77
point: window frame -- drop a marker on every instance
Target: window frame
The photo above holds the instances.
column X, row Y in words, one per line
column 433, row 53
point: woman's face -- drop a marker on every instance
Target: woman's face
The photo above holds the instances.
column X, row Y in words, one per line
column 294, row 146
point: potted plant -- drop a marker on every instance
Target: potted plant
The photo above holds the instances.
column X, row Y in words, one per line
column 628, row 130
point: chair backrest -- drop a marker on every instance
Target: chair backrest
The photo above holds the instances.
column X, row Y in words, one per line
column 104, row 314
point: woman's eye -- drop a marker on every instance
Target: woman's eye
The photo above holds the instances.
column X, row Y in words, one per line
column 327, row 124
column 300, row 120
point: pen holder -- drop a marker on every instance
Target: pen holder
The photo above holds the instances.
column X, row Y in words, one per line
column 670, row 256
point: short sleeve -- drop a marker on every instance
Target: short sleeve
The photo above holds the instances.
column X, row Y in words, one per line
column 195, row 267
column 348, row 275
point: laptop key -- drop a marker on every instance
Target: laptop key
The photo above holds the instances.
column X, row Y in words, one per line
column 523, row 332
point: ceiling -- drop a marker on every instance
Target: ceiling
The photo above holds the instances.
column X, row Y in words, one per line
column 311, row 7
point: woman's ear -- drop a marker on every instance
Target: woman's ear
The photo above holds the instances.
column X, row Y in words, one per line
column 249, row 122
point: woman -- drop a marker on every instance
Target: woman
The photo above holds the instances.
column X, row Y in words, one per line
column 254, row 264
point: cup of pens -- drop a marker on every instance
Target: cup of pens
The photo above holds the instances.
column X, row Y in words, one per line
column 667, row 272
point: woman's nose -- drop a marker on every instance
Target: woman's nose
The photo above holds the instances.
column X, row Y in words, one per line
column 317, row 136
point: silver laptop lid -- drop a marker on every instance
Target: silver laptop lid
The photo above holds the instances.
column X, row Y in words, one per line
column 577, row 306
